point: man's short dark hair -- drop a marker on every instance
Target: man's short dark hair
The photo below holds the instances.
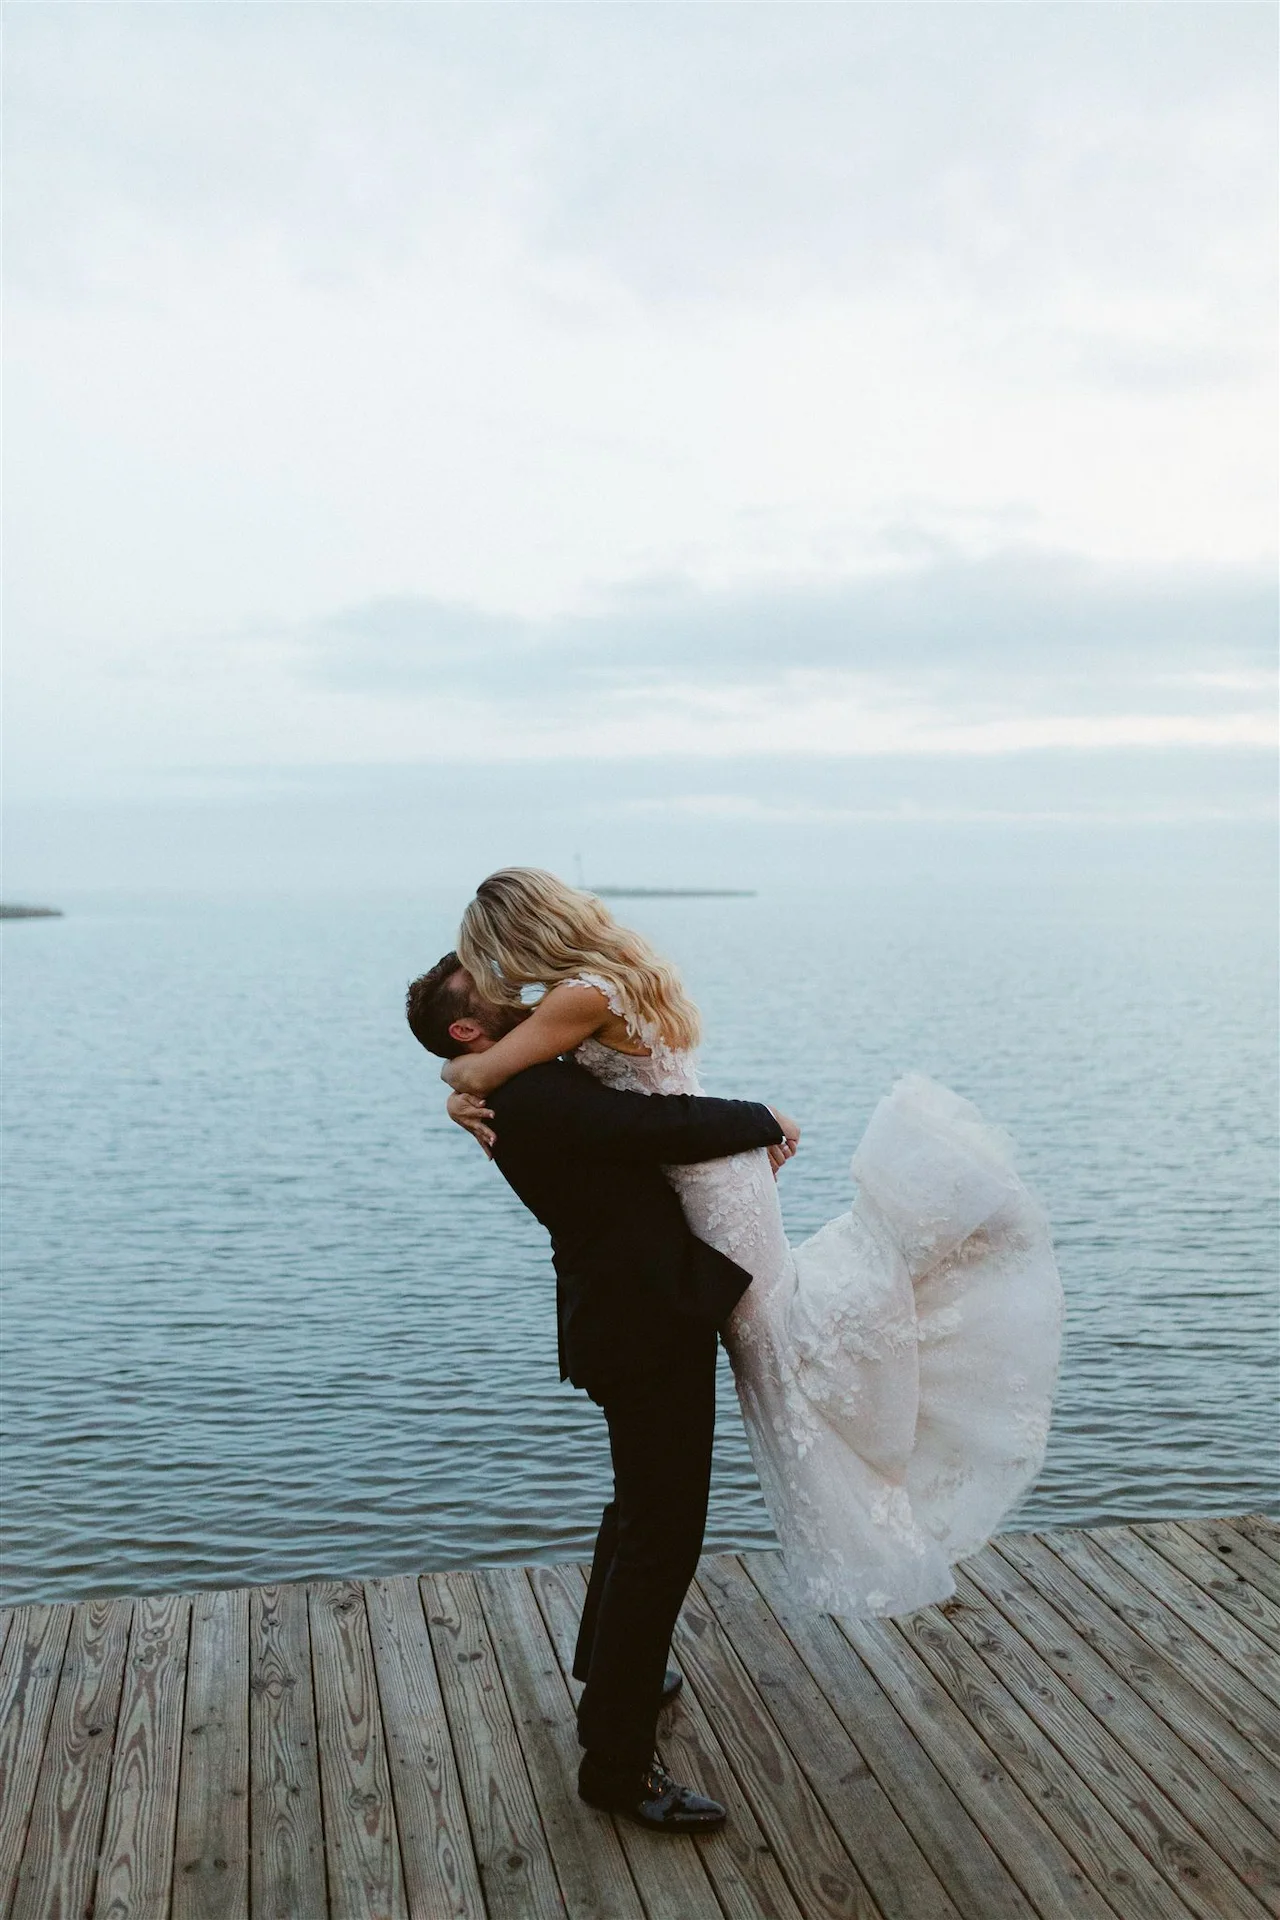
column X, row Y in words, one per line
column 434, row 1001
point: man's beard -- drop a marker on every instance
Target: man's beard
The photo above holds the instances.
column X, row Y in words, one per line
column 498, row 1021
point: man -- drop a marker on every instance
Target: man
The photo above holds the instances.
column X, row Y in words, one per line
column 639, row 1301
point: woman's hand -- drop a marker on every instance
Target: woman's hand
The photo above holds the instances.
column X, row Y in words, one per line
column 786, row 1147
column 470, row 1113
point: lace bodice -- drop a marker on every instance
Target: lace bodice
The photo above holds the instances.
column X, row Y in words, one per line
column 663, row 1069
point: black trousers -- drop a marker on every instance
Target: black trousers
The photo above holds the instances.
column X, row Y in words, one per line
column 661, row 1425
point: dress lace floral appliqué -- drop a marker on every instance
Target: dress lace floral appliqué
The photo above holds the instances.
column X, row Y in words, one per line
column 896, row 1371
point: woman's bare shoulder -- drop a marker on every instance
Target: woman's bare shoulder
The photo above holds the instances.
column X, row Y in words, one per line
column 572, row 995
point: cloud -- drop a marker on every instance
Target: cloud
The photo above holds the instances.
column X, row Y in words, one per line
column 1023, row 648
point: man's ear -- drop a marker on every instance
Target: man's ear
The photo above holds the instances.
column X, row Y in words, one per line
column 465, row 1031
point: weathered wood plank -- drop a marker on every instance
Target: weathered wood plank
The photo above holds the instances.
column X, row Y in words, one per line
column 1238, row 1649
column 1084, row 1837
column 738, row 1860
column 1260, row 1530
column 1155, row 1679
column 60, row 1864
column 135, row 1872
column 590, row 1862
column 440, row 1872
column 1222, row 1583
column 361, row 1846
column 1235, row 1551
column 823, row 1879
column 952, row 1786
column 899, row 1877
column 510, row 1846
column 1115, row 1596
column 1097, row 1743
column 211, row 1847
column 286, row 1859
column 33, row 1655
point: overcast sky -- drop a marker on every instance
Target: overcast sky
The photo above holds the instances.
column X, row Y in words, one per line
column 784, row 414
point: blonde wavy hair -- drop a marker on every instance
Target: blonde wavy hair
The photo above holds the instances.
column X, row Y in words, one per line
column 525, row 928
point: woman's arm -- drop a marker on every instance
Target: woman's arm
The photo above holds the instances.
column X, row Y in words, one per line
column 562, row 1020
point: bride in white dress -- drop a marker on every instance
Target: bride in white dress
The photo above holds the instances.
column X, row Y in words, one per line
column 896, row 1370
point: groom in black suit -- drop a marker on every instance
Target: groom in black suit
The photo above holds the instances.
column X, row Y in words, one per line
column 639, row 1301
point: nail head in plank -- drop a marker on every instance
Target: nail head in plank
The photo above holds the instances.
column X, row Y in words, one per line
column 1260, row 1530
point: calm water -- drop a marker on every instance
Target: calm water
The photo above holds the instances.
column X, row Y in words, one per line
column 270, row 1316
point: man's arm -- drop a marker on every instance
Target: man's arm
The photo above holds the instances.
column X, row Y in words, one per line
column 575, row 1111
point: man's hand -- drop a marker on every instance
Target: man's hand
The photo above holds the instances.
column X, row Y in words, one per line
column 779, row 1155
column 468, row 1111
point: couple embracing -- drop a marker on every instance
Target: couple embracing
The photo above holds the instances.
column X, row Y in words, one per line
column 895, row 1372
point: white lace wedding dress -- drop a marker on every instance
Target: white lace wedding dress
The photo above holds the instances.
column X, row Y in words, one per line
column 896, row 1371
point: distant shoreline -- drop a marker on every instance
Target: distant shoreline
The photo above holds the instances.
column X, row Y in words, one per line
column 29, row 913
column 673, row 893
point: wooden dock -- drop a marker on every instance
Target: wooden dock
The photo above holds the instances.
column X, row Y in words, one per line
column 1092, row 1729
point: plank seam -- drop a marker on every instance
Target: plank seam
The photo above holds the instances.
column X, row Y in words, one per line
column 249, row 1837
column 315, row 1734
column 115, row 1735
column 182, row 1721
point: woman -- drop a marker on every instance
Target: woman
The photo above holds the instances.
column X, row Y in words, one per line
column 896, row 1371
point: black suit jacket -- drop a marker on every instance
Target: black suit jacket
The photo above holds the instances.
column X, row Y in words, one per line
column 587, row 1160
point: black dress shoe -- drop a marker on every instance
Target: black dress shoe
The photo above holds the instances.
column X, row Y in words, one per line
column 655, row 1799
column 672, row 1681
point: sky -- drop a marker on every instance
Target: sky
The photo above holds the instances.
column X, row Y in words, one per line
column 715, row 441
